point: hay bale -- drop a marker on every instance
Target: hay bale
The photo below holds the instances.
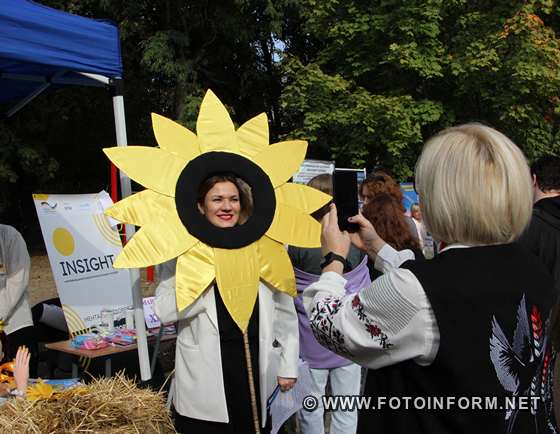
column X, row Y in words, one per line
column 107, row 405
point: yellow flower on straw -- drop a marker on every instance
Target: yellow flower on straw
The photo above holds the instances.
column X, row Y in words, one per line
column 167, row 213
column 40, row 390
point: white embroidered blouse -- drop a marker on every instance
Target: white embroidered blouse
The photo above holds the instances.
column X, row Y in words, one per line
column 389, row 322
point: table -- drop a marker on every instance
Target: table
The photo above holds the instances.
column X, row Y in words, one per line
column 108, row 352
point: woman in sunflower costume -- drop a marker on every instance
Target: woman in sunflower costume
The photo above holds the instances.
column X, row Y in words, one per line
column 225, row 276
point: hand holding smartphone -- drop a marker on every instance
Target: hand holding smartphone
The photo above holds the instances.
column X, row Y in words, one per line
column 345, row 197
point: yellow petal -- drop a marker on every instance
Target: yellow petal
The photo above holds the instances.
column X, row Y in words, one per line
column 237, row 276
column 276, row 267
column 294, row 227
column 154, row 168
column 194, row 273
column 214, row 127
column 175, row 138
column 302, row 197
column 39, row 390
column 162, row 239
column 141, row 208
column 252, row 136
column 281, row 160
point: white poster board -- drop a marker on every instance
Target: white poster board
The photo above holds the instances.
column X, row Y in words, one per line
column 82, row 245
column 311, row 168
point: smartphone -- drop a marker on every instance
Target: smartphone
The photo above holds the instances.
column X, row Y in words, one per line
column 345, row 194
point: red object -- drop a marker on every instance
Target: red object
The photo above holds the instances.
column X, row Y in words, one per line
column 114, row 190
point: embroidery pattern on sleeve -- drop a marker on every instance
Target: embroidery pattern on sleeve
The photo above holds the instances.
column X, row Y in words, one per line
column 323, row 328
column 373, row 329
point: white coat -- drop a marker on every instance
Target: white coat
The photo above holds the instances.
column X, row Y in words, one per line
column 199, row 385
column 14, row 278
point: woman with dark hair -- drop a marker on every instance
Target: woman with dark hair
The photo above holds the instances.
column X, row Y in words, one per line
column 385, row 214
column 380, row 182
column 213, row 392
column 240, row 199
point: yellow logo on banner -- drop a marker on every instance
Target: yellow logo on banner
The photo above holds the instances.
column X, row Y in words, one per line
column 63, row 241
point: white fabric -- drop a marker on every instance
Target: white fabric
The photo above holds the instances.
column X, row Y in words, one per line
column 199, row 388
column 388, row 258
column 14, row 278
column 421, row 230
column 344, row 380
column 395, row 302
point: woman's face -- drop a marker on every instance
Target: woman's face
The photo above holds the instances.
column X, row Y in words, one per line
column 365, row 194
column 222, row 205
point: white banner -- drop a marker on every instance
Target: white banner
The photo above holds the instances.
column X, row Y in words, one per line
column 82, row 245
column 311, row 168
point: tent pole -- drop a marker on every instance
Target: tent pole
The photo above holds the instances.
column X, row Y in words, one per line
column 126, row 190
column 27, row 100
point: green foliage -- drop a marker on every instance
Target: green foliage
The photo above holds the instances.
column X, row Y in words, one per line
column 172, row 52
column 355, row 127
column 18, row 160
column 365, row 82
column 385, row 75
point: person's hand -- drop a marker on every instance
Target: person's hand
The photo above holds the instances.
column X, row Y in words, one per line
column 286, row 383
column 21, row 368
column 366, row 238
column 332, row 239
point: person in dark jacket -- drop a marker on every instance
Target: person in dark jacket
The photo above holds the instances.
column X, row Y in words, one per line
column 542, row 237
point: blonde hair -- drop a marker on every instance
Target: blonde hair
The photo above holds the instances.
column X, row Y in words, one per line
column 474, row 186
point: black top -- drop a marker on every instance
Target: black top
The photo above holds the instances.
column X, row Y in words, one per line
column 491, row 305
column 542, row 236
column 235, row 375
column 229, row 330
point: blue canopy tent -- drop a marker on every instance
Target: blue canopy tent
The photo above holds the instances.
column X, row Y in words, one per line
column 42, row 47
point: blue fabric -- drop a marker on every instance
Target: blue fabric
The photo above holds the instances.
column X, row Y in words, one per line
column 39, row 41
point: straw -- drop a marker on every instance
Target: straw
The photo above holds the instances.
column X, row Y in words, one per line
column 107, row 405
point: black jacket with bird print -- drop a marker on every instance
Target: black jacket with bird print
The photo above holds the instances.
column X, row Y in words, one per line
column 492, row 371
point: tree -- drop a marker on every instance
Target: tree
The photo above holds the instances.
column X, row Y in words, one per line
column 172, row 52
column 388, row 74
